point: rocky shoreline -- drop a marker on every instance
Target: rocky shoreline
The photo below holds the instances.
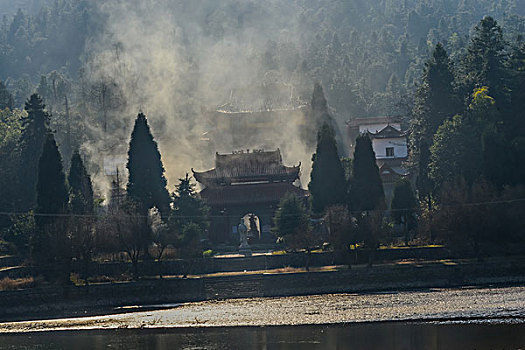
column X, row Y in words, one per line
column 460, row 305
column 99, row 299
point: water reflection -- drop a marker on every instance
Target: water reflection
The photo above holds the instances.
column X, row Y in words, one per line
column 394, row 336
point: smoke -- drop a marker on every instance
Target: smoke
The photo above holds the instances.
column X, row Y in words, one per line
column 176, row 61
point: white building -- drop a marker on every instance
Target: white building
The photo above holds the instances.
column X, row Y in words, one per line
column 389, row 143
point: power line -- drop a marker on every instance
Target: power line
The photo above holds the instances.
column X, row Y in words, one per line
column 469, row 204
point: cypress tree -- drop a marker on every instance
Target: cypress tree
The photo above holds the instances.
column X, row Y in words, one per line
column 147, row 184
column 50, row 243
column 366, row 190
column 81, row 190
column 318, row 115
column 35, row 128
column 319, row 103
column 328, row 184
column 81, row 205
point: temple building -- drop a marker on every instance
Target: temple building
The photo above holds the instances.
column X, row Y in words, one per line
column 246, row 185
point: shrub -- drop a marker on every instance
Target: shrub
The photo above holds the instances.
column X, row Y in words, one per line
column 207, row 253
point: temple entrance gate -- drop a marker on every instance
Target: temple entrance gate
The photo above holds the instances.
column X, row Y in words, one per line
column 244, row 183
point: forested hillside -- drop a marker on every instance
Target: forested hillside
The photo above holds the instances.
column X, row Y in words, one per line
column 367, row 54
column 96, row 64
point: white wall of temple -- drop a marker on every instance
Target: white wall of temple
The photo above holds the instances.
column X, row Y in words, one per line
column 399, row 146
column 373, row 128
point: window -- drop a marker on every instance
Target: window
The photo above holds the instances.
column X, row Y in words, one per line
column 390, row 151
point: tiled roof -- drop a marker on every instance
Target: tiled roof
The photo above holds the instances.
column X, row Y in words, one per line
column 372, row 120
column 248, row 167
column 387, row 132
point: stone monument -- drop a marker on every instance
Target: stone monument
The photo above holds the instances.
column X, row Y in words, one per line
column 244, row 248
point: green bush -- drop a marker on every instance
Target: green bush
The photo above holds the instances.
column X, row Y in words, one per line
column 207, row 253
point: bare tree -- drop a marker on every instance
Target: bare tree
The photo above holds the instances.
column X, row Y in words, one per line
column 131, row 231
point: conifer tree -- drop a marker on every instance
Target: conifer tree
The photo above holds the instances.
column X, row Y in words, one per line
column 6, row 98
column 291, row 218
column 147, row 184
column 81, row 206
column 319, row 103
column 328, row 184
column 80, row 187
column 50, row 243
column 188, row 210
column 435, row 102
column 484, row 63
column 319, row 114
column 35, row 128
column 366, row 190
column 463, row 159
column 516, row 124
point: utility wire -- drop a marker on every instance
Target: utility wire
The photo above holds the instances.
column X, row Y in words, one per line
column 415, row 209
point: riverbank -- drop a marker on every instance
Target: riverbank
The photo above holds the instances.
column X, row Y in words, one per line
column 99, row 299
column 461, row 305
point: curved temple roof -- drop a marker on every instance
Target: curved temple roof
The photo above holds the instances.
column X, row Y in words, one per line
column 255, row 166
column 387, row 132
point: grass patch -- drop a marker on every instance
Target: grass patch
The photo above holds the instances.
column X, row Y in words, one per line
column 279, row 252
column 208, row 253
column 410, row 246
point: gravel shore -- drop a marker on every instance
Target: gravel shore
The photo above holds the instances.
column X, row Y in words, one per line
column 464, row 304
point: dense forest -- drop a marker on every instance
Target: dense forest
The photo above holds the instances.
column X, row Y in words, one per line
column 174, row 59
column 366, row 53
column 75, row 73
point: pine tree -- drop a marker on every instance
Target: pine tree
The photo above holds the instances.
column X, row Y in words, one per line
column 6, row 98
column 435, row 102
column 291, row 218
column 188, row 210
column 147, row 184
column 515, row 126
column 292, row 226
column 366, row 190
column 484, row 63
column 10, row 132
column 328, row 184
column 50, row 243
column 35, row 128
